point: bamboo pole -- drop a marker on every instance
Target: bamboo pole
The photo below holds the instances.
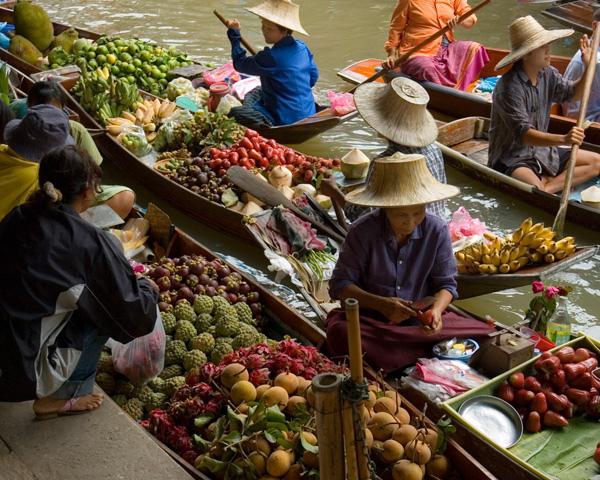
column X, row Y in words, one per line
column 356, row 370
column 245, row 42
column 328, row 400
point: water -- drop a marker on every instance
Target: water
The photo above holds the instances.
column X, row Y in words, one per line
column 342, row 32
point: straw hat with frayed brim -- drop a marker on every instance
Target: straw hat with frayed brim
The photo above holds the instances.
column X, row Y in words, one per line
column 401, row 181
column 398, row 111
column 282, row 12
column 526, row 35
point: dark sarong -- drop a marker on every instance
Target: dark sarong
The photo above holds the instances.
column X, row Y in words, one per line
column 247, row 114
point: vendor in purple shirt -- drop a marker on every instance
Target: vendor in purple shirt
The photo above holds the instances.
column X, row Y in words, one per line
column 392, row 257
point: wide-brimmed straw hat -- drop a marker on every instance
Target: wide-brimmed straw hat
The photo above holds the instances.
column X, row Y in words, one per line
column 282, row 12
column 398, row 111
column 401, row 181
column 526, row 34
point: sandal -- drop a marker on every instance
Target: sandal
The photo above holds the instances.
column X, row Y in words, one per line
column 66, row 410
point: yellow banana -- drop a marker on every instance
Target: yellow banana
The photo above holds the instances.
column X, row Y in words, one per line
column 114, row 130
column 486, row 259
column 129, row 116
column 459, row 256
column 561, row 244
column 151, row 137
column 535, row 257
column 504, row 268
column 523, row 261
column 538, row 227
column 469, row 259
column 560, row 254
column 537, row 241
column 476, row 253
column 489, row 236
column 570, row 249
column 527, row 239
column 485, row 249
column 517, row 235
column 543, row 249
column 496, row 259
column 547, row 233
column 517, row 252
column 549, row 258
column 505, row 256
column 526, row 225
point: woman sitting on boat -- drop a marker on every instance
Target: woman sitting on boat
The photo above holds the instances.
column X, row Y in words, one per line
column 394, row 256
column 46, row 126
column 73, row 290
column 444, row 61
column 287, row 71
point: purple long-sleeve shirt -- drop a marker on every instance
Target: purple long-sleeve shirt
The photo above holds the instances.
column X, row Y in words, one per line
column 372, row 259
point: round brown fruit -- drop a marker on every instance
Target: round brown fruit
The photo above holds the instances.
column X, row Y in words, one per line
column 233, row 373
column 259, row 461
column 243, row 391
column 288, row 381
column 303, row 385
column 310, row 459
column 370, row 403
column 310, row 396
column 405, row 434
column 431, row 437
column 382, row 425
column 417, row 451
column 385, row 404
column 261, row 389
column 243, row 408
column 294, row 473
column 279, row 463
column 294, row 402
column 392, row 451
column 369, row 438
column 309, row 437
column 403, row 416
column 276, row 396
column 406, row 470
column 438, row 466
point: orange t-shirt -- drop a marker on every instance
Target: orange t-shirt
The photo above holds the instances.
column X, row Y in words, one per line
column 415, row 20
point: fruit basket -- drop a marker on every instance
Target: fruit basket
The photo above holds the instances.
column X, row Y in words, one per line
column 564, row 453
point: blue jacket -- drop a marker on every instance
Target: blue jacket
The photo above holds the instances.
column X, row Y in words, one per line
column 287, row 73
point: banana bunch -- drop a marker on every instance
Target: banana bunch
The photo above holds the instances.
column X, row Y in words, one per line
column 529, row 244
column 149, row 115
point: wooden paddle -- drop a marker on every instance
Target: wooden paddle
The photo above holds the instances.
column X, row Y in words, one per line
column 559, row 221
column 415, row 49
column 245, row 42
column 260, row 189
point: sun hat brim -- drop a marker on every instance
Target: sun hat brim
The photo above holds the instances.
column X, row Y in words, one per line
column 291, row 24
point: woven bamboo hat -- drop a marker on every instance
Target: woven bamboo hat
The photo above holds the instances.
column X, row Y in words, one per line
column 526, row 34
column 401, row 181
column 282, row 12
column 398, row 111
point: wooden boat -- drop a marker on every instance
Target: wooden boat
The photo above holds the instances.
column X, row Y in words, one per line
column 577, row 14
column 458, row 104
column 464, row 143
column 295, row 133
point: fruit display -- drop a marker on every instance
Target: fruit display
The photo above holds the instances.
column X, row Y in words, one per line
column 529, row 245
column 562, row 387
column 33, row 23
column 105, row 96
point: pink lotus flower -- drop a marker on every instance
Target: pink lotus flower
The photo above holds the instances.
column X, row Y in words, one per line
column 552, row 292
column 537, row 286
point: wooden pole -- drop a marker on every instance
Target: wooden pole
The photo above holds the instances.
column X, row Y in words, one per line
column 245, row 42
column 328, row 403
column 357, row 374
column 559, row 221
column 427, row 41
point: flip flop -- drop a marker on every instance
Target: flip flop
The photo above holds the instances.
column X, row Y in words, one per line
column 64, row 411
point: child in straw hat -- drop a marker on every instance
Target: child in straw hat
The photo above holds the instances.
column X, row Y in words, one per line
column 520, row 145
column 392, row 257
column 287, row 71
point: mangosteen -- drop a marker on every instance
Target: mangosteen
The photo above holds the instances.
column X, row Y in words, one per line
column 192, row 181
column 210, row 291
column 204, row 279
column 256, row 308
column 182, row 172
column 215, row 198
column 184, row 271
column 164, row 283
column 196, row 269
column 199, row 289
column 188, row 161
column 185, row 293
column 213, row 283
column 191, row 280
column 203, row 179
column 236, row 276
column 165, row 297
column 164, row 306
column 159, row 272
column 232, row 297
column 253, row 297
column 244, row 288
column 223, row 271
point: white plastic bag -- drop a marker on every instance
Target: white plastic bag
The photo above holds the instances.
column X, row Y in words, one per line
column 143, row 358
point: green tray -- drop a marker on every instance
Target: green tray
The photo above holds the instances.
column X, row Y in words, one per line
column 552, row 454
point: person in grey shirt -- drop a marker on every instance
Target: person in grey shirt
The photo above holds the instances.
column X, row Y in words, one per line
column 520, row 145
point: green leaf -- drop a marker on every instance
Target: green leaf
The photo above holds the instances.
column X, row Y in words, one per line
column 201, row 442
column 232, row 437
column 281, row 427
column 285, row 443
column 272, row 435
column 214, row 466
column 203, row 420
column 308, row 446
column 274, row 414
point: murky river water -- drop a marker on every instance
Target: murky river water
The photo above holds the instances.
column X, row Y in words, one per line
column 342, row 31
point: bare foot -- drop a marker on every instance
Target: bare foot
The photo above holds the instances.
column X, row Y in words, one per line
column 49, row 405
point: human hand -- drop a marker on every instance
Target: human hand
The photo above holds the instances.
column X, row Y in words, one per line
column 453, row 22
column 390, row 63
column 434, row 322
column 585, row 47
column 575, row 136
column 232, row 23
column 398, row 310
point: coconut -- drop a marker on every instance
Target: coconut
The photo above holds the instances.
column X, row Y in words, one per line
column 251, row 208
column 324, row 201
column 280, row 176
column 287, row 192
column 355, row 164
column 304, row 189
column 591, row 196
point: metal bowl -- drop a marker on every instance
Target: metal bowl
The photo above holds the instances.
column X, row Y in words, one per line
column 495, row 418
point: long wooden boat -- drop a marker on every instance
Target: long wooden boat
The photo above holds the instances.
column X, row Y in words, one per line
column 458, row 104
column 577, row 14
column 294, row 133
column 464, row 143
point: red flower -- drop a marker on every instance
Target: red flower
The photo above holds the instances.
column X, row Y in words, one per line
column 537, row 286
column 551, row 292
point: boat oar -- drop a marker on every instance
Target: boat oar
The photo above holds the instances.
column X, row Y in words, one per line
column 559, row 221
column 427, row 41
column 245, row 42
column 260, row 189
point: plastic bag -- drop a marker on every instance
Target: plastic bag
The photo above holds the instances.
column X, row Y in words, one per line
column 341, row 103
column 463, row 225
column 133, row 138
column 221, row 74
column 227, row 103
column 177, row 87
column 243, row 87
column 165, row 136
column 143, row 358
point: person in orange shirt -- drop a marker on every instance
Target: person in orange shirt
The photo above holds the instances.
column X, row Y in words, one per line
column 444, row 61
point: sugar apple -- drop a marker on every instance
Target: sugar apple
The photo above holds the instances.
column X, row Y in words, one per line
column 203, row 342
column 173, row 384
column 157, row 384
column 185, row 331
column 203, row 322
column 169, row 321
column 194, row 359
column 227, row 311
column 134, row 408
column 144, row 394
column 184, row 311
column 170, row 372
column 245, row 328
column 105, row 363
column 227, row 327
column 174, row 352
column 244, row 313
column 219, row 302
column 212, row 330
column 106, row 382
column 220, row 350
column 157, row 400
column 124, row 387
column 203, row 304
column 120, row 400
column 244, row 340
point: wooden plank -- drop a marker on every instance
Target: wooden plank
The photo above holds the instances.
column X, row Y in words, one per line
column 471, row 147
column 576, row 14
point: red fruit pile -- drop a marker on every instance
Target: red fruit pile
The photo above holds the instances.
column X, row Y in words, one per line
column 255, row 151
column 562, row 387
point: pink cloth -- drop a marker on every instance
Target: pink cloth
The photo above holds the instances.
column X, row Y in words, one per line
column 391, row 347
column 457, row 65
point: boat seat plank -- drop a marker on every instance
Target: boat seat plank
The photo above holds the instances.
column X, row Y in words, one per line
column 471, row 146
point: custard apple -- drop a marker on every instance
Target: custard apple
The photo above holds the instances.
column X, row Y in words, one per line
column 170, row 372
column 244, row 313
column 227, row 311
column 173, row 384
column 184, row 311
column 245, row 328
column 203, row 304
column 169, row 321
column 120, row 400
column 203, row 342
column 244, row 340
column 194, row 359
column 157, row 400
column 105, row 363
column 144, row 394
column 106, row 382
column 174, row 352
column 124, row 387
column 157, row 384
column 134, row 408
column 185, row 331
column 227, row 327
column 220, row 350
column 219, row 303
column 203, row 322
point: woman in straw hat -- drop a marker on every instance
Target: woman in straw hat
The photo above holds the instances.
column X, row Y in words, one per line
column 444, row 61
column 392, row 257
column 520, row 145
column 398, row 112
column 287, row 71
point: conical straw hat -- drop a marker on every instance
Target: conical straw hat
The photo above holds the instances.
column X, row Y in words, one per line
column 282, row 12
column 401, row 181
column 398, row 111
column 526, row 34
